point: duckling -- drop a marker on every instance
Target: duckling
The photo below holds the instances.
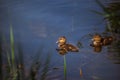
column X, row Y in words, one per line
column 64, row 47
column 96, row 41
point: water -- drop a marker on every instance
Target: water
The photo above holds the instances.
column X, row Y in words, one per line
column 39, row 23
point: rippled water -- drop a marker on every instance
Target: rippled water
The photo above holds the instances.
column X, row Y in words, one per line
column 39, row 23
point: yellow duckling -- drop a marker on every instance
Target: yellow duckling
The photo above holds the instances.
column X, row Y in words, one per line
column 64, row 47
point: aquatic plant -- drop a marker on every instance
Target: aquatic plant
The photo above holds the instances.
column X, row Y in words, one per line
column 14, row 68
column 14, row 64
column 65, row 68
column 111, row 14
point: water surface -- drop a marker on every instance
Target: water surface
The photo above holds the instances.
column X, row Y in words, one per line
column 39, row 23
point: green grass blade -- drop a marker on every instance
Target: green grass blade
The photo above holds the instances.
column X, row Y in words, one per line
column 65, row 68
column 12, row 45
column 14, row 69
column 8, row 58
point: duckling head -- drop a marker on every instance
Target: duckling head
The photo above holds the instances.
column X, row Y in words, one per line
column 61, row 40
column 97, row 38
column 96, row 41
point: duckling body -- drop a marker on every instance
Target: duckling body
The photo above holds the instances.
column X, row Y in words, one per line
column 69, row 48
column 107, row 40
column 61, row 51
column 64, row 47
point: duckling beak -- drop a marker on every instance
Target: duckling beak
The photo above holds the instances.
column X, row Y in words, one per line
column 57, row 41
column 92, row 39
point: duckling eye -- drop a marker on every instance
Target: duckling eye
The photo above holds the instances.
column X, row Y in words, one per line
column 60, row 39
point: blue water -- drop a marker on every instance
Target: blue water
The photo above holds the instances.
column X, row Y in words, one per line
column 39, row 23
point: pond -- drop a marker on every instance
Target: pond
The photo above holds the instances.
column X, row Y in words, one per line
column 37, row 25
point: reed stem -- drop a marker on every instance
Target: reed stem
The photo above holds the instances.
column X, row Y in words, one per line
column 65, row 69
